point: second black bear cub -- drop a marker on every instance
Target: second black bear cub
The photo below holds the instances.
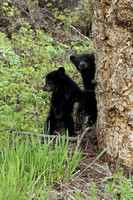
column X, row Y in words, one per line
column 64, row 93
column 85, row 64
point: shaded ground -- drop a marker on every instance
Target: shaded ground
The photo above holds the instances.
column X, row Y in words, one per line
column 91, row 174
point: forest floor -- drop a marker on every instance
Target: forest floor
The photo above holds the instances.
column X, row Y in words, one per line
column 94, row 173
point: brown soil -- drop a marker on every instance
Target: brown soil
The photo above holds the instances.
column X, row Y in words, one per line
column 80, row 187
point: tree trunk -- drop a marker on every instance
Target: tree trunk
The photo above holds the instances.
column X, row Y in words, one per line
column 112, row 30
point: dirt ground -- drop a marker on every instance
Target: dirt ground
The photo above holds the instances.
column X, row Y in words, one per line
column 91, row 169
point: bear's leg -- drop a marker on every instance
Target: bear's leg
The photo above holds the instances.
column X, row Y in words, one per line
column 80, row 115
column 69, row 124
column 51, row 124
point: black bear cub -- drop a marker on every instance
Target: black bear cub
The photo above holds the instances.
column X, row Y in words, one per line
column 64, row 93
column 85, row 64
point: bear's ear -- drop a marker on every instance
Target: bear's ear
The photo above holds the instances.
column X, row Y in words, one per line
column 72, row 58
column 61, row 71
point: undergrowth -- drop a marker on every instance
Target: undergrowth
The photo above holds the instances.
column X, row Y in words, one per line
column 29, row 168
column 29, row 56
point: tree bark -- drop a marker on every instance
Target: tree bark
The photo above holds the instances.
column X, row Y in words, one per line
column 112, row 30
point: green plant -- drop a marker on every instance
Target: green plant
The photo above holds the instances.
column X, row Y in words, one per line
column 119, row 186
column 93, row 191
column 9, row 10
column 28, row 168
column 82, row 16
column 66, row 18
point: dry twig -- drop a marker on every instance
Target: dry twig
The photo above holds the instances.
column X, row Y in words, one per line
column 80, row 33
column 82, row 136
column 73, row 139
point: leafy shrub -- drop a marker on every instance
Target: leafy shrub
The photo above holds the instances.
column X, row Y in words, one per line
column 28, row 57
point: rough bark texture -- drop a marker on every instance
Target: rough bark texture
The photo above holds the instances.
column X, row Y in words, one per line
column 112, row 29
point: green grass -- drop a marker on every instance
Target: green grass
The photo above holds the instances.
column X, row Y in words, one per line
column 28, row 168
column 120, row 187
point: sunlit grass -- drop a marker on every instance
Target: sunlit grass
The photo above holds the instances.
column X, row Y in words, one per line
column 28, row 168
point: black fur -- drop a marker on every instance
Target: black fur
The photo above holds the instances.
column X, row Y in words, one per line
column 64, row 93
column 85, row 64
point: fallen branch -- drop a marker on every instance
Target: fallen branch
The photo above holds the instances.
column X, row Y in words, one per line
column 82, row 136
column 73, row 139
column 80, row 33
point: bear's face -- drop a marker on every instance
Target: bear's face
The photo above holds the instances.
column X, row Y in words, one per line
column 54, row 79
column 82, row 65
column 49, row 86
column 83, row 62
column 80, row 61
